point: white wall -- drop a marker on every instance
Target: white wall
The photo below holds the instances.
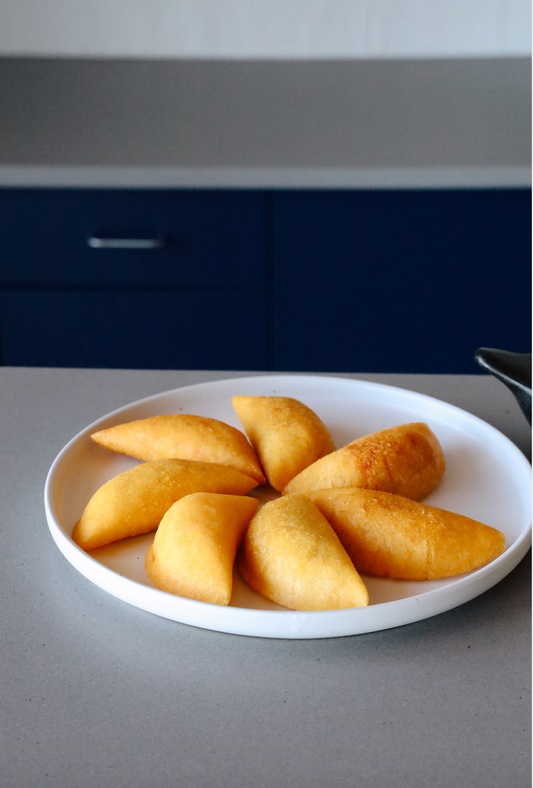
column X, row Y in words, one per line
column 252, row 29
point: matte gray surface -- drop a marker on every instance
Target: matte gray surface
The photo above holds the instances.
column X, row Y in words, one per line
column 96, row 692
column 398, row 113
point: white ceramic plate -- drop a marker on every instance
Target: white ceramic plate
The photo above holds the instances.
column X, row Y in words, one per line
column 487, row 478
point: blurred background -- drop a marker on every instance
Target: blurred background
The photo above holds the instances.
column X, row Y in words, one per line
column 292, row 185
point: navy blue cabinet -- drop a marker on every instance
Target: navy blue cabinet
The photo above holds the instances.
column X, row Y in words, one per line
column 147, row 330
column 319, row 281
column 400, row 281
column 142, row 279
column 190, row 238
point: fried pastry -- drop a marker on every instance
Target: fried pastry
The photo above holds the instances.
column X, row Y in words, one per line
column 391, row 536
column 183, row 437
column 287, row 435
column 292, row 556
column 194, row 548
column 135, row 501
column 405, row 460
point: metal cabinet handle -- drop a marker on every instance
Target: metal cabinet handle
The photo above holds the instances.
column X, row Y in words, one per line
column 125, row 243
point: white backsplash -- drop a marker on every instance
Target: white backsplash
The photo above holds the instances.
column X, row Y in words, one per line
column 265, row 29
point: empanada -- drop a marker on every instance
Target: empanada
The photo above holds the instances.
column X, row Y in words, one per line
column 287, row 435
column 291, row 555
column 135, row 501
column 184, row 437
column 406, row 460
column 392, row 536
column 195, row 546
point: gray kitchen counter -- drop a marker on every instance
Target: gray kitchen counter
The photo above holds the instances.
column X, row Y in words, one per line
column 435, row 123
column 96, row 692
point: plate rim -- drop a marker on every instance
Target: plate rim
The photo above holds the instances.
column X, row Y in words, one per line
column 297, row 623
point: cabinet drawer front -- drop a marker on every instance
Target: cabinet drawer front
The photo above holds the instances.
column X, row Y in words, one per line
column 125, row 237
column 133, row 330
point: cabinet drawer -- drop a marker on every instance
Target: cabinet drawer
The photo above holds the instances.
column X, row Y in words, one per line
column 133, row 330
column 194, row 238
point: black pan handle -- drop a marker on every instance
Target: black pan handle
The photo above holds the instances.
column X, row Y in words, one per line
column 513, row 369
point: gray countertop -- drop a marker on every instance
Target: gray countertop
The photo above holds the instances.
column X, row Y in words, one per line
column 96, row 692
column 262, row 124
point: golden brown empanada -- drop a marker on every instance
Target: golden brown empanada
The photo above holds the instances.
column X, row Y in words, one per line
column 135, row 501
column 287, row 435
column 292, row 556
column 392, row 536
column 183, row 437
column 405, row 460
column 195, row 546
